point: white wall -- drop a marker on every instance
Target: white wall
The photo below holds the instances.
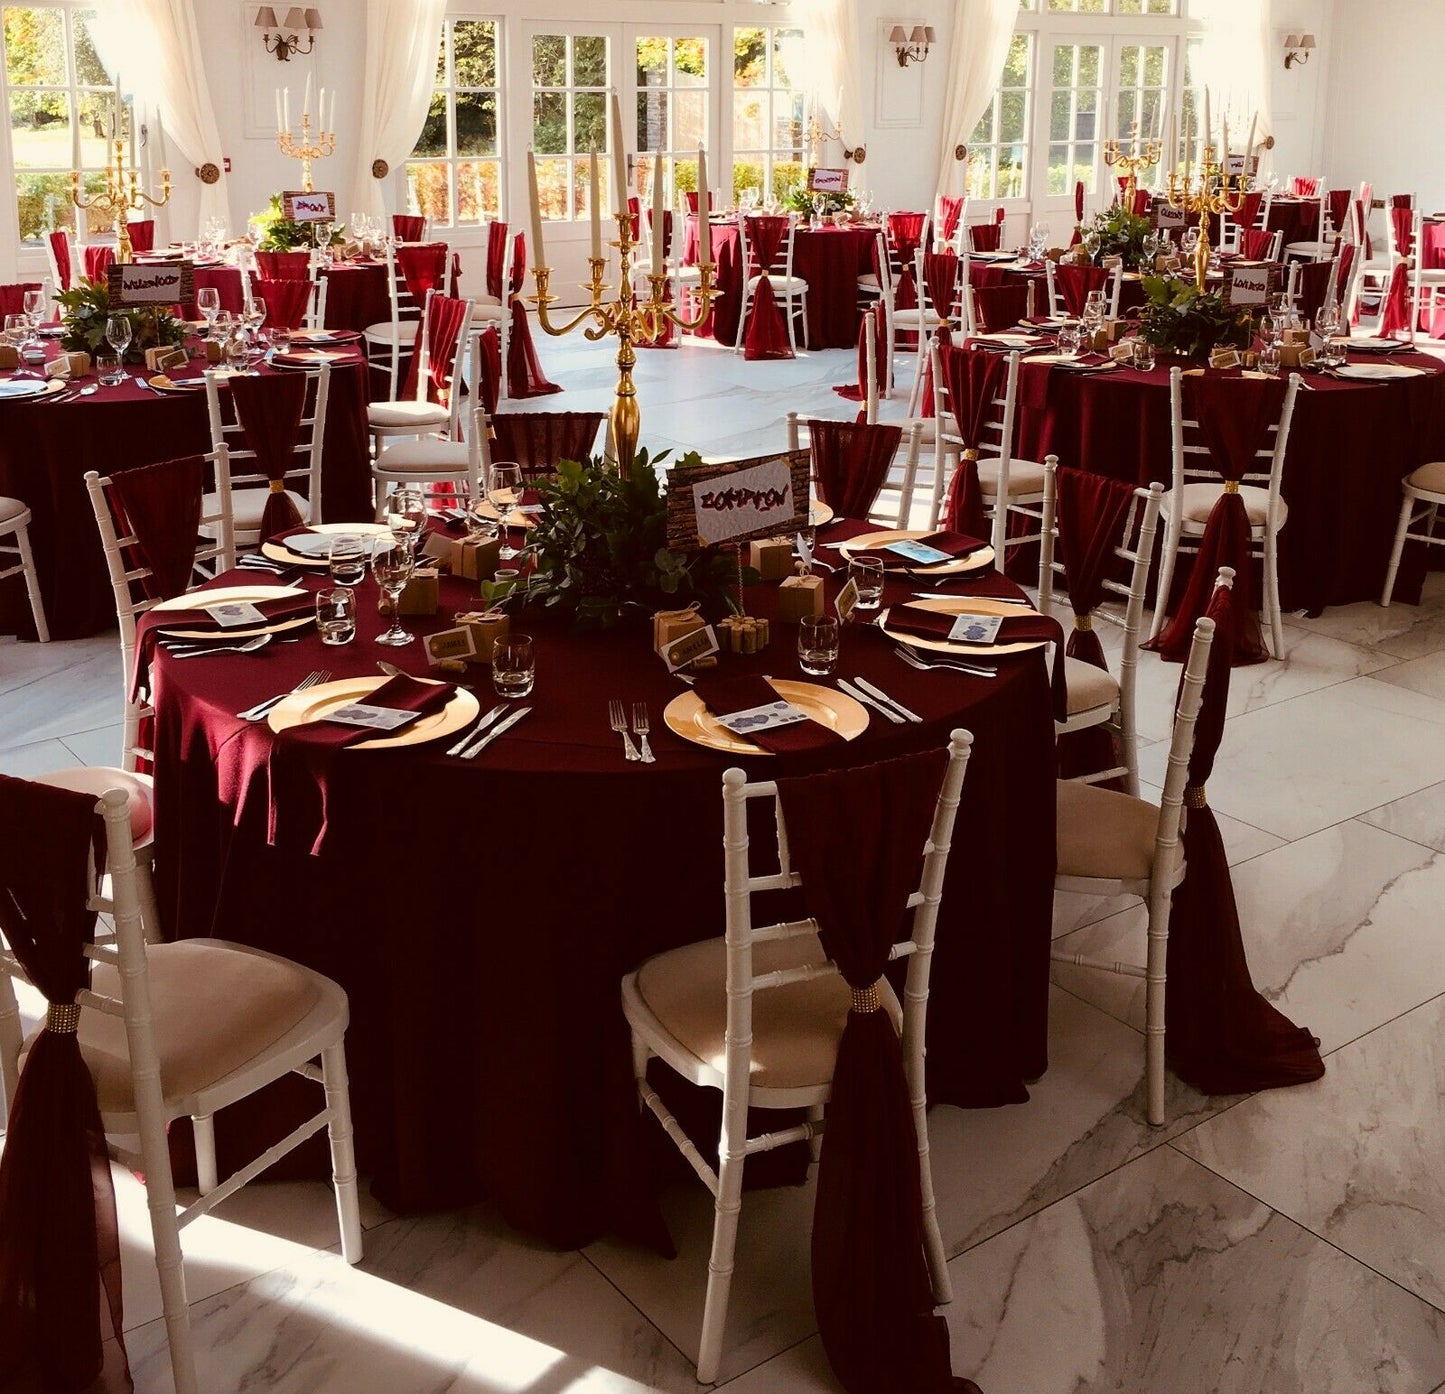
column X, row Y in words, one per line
column 1298, row 96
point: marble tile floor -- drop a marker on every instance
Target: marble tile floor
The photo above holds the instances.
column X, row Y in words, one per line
column 1290, row 1241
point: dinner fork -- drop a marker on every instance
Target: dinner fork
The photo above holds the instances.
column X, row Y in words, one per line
column 260, row 710
column 617, row 718
column 641, row 725
column 933, row 664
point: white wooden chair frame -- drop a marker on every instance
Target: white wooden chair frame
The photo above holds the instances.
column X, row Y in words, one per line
column 1111, row 291
column 487, row 312
column 321, row 1032
column 1141, row 522
column 952, row 244
column 923, row 323
column 18, row 526
column 434, row 460
column 971, row 323
column 650, row 1037
column 909, row 445
column 789, row 291
column 1182, row 535
column 1419, row 505
column 1323, row 243
column 386, row 340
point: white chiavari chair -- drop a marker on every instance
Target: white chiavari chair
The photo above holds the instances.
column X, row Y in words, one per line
column 15, row 524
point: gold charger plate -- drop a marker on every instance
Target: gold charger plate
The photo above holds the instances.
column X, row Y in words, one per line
column 1069, row 363
column 163, row 383
column 515, row 519
column 819, row 514
column 302, row 708
column 962, row 605
column 1377, row 372
column 24, row 389
column 872, row 540
column 278, row 551
column 232, row 595
column 305, row 357
column 688, row 717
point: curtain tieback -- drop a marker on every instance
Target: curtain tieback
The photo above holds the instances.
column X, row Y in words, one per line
column 1084, row 622
column 278, row 486
column 1194, row 796
column 867, row 999
column 1231, row 486
column 63, row 1018
column 970, row 454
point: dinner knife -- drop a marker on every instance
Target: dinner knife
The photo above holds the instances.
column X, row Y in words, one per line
column 968, row 595
column 858, row 695
column 477, row 730
column 499, row 729
column 882, row 696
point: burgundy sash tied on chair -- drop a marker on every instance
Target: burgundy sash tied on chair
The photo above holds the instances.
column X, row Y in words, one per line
column 940, row 278
column 142, row 235
column 60, row 1259
column 269, row 412
column 850, row 463
column 537, row 440
column 287, row 302
column 525, row 377
column 1337, row 201
column 1222, row 1036
column 871, row 1291
column 442, row 330
column 488, row 344
column 1078, row 232
column 161, row 505
column 905, row 236
column 767, row 331
column 496, row 255
column 283, row 266
column 858, row 392
column 1403, row 220
column 97, row 262
column 1396, row 317
column 1075, row 283
column 423, row 268
column 950, row 211
column 60, row 250
column 1234, row 415
column 1249, row 206
column 985, row 237
column 12, row 297
column 408, row 227
column 1302, row 186
column 974, row 379
column 1314, row 281
column 1000, row 307
column 1254, row 243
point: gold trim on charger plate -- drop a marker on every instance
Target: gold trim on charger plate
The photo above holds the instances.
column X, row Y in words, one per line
column 962, row 605
column 279, row 551
column 312, row 703
column 231, row 595
column 688, row 717
column 871, row 541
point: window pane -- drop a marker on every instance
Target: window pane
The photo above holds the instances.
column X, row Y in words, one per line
column 1016, row 67
column 747, row 174
column 441, row 77
column 428, row 190
column 1127, row 114
column 589, row 61
column 549, row 60
column 552, row 187
column 1163, row 7
column 690, row 63
column 689, row 120
column 1128, row 7
column 474, row 49
column 1059, row 181
column 589, row 120
column 1128, row 65
column 433, row 138
column 652, row 119
column 1154, row 66
column 476, row 123
column 787, row 56
column 1059, row 109
column 34, row 45
column 651, row 62
column 94, row 128
column 549, row 123
column 749, row 122
column 44, row 204
column 750, row 57
column 1089, row 66
column 40, row 130
column 1011, row 172
column 89, row 70
column 1011, row 126
column 477, row 184
column 1063, row 65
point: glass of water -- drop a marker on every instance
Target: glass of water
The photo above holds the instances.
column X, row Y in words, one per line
column 336, row 615
column 347, row 559
column 514, row 666
column 818, row 644
column 867, row 574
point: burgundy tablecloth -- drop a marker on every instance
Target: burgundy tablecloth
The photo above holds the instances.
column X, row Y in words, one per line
column 1350, row 445
column 356, row 295
column 481, row 915
column 47, row 447
column 830, row 260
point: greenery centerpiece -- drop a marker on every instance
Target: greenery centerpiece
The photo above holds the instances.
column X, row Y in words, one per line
column 85, row 307
column 1115, row 232
column 600, row 546
column 277, row 233
column 799, row 199
column 1180, row 318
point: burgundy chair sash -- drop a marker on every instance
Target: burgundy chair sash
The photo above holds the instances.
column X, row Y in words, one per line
column 905, row 236
column 940, row 279
column 284, row 266
column 60, row 249
column 1397, row 317
column 496, row 255
column 871, row 1291
column 858, row 392
column 60, row 1259
column 287, row 302
column 161, row 505
column 985, row 237
column 850, row 463
column 1302, row 186
column 443, row 330
column 974, row 377
column 1077, row 233
column 1075, row 282
column 269, row 411
column 1222, row 1036
column 537, row 440
column 1314, row 281
column 767, row 331
column 1255, row 243
column 423, row 268
column 1234, row 416
column 525, row 377
column 97, row 262
column 142, row 235
column 1403, row 219
column 1248, row 215
column 12, row 297
column 1000, row 307
column 489, row 367
column 1337, row 201
column 950, row 211
column 408, row 227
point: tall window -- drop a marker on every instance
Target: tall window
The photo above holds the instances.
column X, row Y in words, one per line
column 454, row 176
column 571, row 75
column 1074, row 103
column 770, row 145
column 672, row 101
column 61, row 108
column 998, row 149
column 1143, row 77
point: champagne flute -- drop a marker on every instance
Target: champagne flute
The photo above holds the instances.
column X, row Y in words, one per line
column 504, row 490
column 407, row 517
column 392, row 566
column 208, row 302
column 35, row 305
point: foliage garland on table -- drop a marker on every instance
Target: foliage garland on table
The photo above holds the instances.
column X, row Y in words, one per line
column 1115, row 232
column 799, row 199
column 600, row 548
column 277, row 233
column 85, row 307
column 1180, row 318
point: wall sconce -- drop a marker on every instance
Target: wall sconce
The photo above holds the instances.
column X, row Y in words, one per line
column 284, row 39
column 1297, row 49
column 911, row 47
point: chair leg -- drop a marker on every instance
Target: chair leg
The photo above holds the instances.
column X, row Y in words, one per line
column 1166, row 580
column 816, row 1113
column 803, row 301
column 1397, row 551
column 343, row 1153
column 203, row 1125
column 999, row 536
column 792, row 305
column 1271, row 590
column 1154, row 978
column 166, row 1239
column 32, row 583
column 720, row 1263
column 640, row 1056
column 145, row 886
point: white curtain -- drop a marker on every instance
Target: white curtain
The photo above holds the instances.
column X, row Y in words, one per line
column 831, row 74
column 982, row 30
column 156, row 49
column 1233, row 62
column 398, row 77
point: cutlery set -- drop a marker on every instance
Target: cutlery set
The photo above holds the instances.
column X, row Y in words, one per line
column 487, row 730
column 861, row 690
column 641, row 725
column 262, row 709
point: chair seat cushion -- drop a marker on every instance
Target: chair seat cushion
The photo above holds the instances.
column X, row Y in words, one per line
column 1024, row 477
column 96, row 779
column 796, row 1028
column 422, row 415
column 927, row 426
column 1199, row 501
column 1089, row 686
column 430, row 454
column 215, row 1006
column 247, row 506
column 1103, row 833
column 1430, row 478
column 868, row 281
column 491, row 313
column 780, row 283
column 686, row 275
column 909, row 318
column 1309, row 248
column 381, row 333
column 12, row 511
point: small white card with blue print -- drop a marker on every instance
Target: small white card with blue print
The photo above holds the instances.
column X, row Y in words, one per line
column 763, row 718
column 975, row 629
column 235, row 616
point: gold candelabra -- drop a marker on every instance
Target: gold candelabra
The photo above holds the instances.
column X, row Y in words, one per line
column 1209, row 195
column 307, row 148
column 122, row 196
column 630, row 320
column 1132, row 164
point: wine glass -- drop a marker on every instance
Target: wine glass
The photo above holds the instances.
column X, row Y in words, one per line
column 392, row 566
column 208, row 302
column 118, row 333
column 504, row 488
column 254, row 318
column 17, row 331
column 35, row 306
column 407, row 517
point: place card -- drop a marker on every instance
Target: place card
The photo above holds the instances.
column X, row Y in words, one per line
column 699, row 643
column 847, row 600
column 919, row 552
column 767, row 717
column 975, row 629
column 449, row 645
column 373, row 718
column 235, row 615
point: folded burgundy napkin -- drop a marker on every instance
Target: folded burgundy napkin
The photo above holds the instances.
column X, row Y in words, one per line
column 298, row 767
column 958, row 545
column 288, row 607
column 1016, row 629
column 723, row 696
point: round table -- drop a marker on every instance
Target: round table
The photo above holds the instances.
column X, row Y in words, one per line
column 481, row 914
column 1350, row 445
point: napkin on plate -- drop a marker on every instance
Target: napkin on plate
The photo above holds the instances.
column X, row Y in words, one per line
column 723, row 696
column 958, row 545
